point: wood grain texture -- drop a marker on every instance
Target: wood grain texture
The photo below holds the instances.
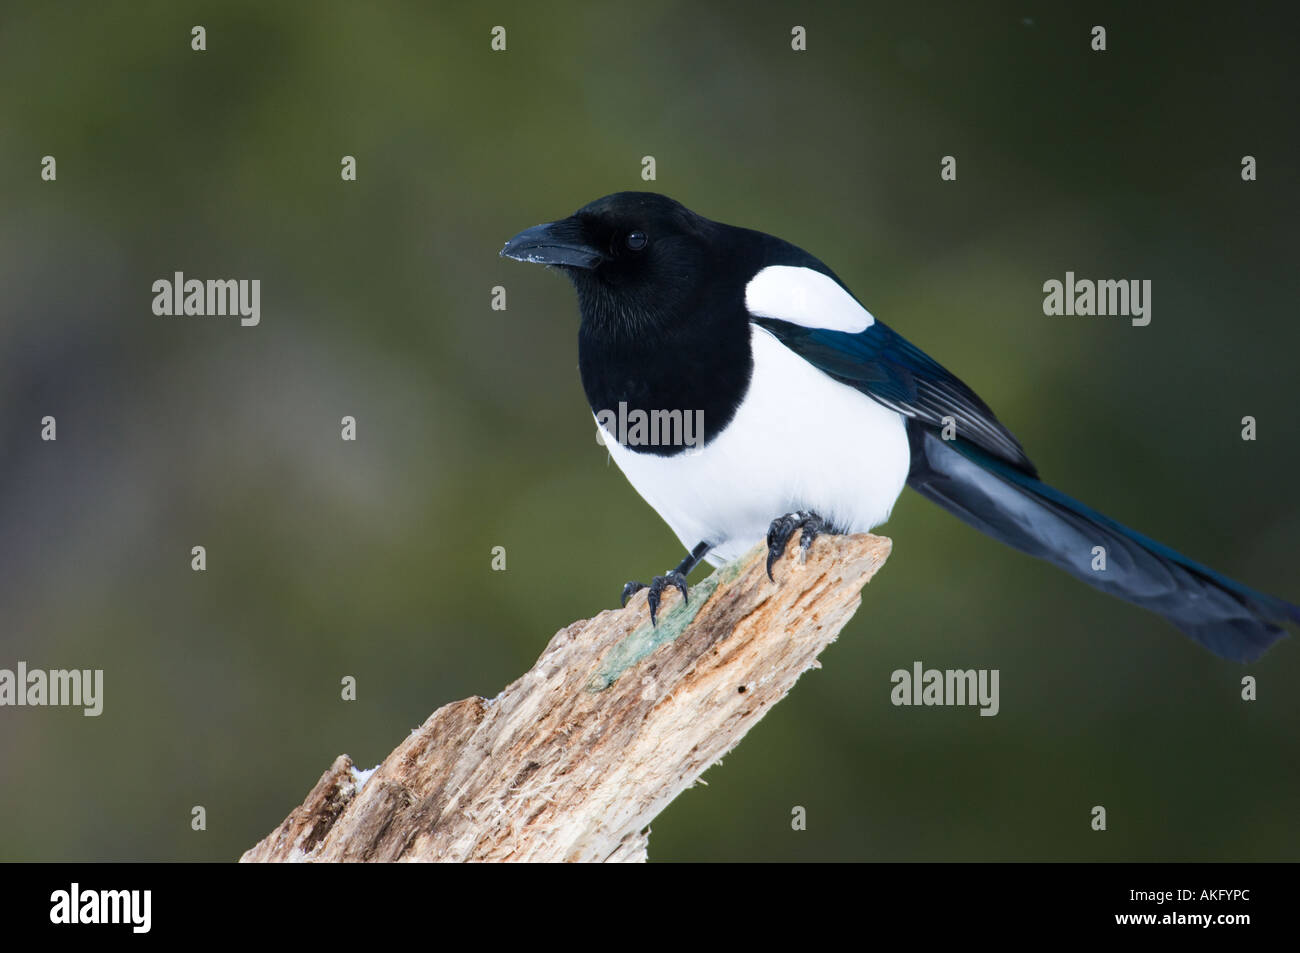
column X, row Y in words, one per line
column 573, row 761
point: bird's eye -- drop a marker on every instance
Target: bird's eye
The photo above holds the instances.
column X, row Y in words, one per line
column 636, row 240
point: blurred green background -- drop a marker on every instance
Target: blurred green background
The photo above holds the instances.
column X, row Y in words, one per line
column 372, row 558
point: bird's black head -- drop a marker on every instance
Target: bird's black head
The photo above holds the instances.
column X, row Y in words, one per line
column 637, row 259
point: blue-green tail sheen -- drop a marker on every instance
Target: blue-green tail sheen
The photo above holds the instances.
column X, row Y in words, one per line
column 1231, row 620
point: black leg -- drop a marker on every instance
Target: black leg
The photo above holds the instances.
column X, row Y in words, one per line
column 693, row 558
column 783, row 527
column 674, row 578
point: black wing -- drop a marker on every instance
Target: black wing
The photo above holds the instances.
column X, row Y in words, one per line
column 893, row 372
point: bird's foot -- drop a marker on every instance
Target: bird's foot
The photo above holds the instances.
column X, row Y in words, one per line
column 778, row 534
column 672, row 579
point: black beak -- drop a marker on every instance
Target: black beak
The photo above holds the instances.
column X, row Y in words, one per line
column 559, row 243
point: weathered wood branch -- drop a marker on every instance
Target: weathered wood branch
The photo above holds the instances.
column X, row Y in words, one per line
column 575, row 759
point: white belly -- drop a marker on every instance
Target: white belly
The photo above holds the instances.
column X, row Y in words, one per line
column 799, row 441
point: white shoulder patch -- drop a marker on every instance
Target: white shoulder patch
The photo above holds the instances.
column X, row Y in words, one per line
column 805, row 297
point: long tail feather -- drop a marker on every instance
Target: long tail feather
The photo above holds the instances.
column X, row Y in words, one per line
column 1229, row 619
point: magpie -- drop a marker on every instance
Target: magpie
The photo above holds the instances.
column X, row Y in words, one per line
column 816, row 415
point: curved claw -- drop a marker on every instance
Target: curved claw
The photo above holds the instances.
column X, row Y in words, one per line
column 629, row 590
column 658, row 585
column 782, row 528
column 778, row 534
column 653, row 601
column 809, row 532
